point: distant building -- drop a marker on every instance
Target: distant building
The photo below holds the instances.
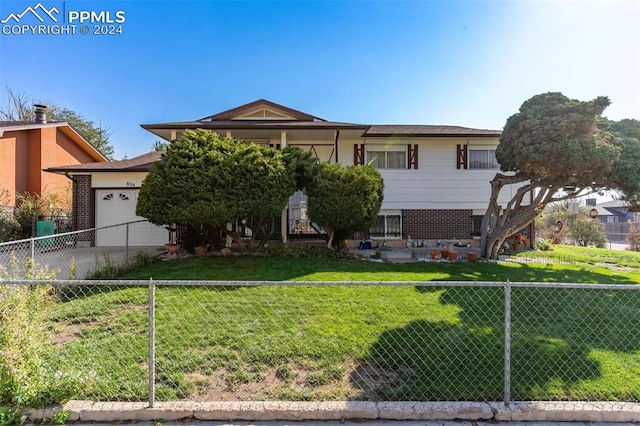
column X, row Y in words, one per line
column 26, row 148
column 615, row 211
column 615, row 216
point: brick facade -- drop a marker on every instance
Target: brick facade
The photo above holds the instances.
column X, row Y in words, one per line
column 437, row 224
column 82, row 210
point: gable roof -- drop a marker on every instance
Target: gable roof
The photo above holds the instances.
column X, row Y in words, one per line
column 247, row 112
column 141, row 163
column 264, row 114
column 63, row 126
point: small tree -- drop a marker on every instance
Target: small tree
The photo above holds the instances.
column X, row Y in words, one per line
column 585, row 232
column 344, row 200
column 633, row 237
column 553, row 149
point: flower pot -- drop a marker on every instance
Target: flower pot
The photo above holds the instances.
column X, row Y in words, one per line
column 516, row 246
column 453, row 256
column 173, row 249
column 434, row 255
column 225, row 251
column 201, row 251
column 472, row 256
column 444, row 254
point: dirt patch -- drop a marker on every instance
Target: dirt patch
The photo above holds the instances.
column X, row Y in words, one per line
column 291, row 381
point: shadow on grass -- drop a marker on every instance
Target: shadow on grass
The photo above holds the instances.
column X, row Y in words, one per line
column 555, row 333
column 283, row 269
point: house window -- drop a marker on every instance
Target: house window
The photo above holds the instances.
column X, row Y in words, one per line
column 476, row 219
column 387, row 226
column 384, row 159
column 483, row 159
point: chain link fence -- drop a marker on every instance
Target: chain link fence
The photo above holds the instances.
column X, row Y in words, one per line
column 74, row 255
column 311, row 341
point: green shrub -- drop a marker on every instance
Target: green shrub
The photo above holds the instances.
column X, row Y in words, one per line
column 30, row 207
column 289, row 250
column 543, row 245
column 25, row 341
column 9, row 416
column 633, row 238
column 586, row 232
column 9, row 228
column 110, row 270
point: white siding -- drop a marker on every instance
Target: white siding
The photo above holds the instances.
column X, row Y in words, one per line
column 437, row 183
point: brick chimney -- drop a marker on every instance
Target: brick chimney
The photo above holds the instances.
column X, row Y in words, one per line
column 41, row 113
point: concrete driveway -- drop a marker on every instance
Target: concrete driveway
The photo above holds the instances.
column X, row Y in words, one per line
column 86, row 259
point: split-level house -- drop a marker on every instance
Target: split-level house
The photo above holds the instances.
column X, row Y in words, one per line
column 436, row 177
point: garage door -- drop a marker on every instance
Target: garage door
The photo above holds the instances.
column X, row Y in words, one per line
column 116, row 206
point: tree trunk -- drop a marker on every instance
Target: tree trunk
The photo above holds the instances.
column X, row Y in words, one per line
column 330, row 234
column 499, row 223
column 530, row 199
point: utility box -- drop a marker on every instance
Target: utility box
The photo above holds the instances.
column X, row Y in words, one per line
column 44, row 228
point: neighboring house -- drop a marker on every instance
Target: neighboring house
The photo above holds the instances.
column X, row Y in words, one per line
column 26, row 148
column 615, row 211
column 436, row 177
column 615, row 216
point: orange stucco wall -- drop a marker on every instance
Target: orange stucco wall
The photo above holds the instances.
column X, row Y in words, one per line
column 23, row 155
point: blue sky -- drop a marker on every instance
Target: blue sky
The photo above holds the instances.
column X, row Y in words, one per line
column 468, row 63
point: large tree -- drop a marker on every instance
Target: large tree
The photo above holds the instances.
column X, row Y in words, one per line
column 18, row 108
column 344, row 200
column 207, row 180
column 557, row 148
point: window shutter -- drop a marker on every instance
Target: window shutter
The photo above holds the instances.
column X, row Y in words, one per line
column 412, row 156
column 358, row 154
column 462, row 155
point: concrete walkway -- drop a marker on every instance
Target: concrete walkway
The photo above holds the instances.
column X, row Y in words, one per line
column 361, row 423
column 337, row 411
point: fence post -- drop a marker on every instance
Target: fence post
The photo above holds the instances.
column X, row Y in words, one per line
column 32, row 249
column 152, row 343
column 126, row 256
column 507, row 343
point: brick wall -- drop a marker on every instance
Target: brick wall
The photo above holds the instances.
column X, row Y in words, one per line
column 82, row 203
column 437, row 224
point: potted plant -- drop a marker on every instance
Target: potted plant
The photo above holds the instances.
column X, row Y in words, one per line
column 453, row 256
column 202, row 249
column 520, row 240
column 472, row 256
column 172, row 246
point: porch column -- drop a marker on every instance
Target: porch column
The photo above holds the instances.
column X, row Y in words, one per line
column 284, row 225
column 228, row 134
column 336, row 137
column 174, row 135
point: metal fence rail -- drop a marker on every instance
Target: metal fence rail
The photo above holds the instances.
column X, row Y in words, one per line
column 73, row 255
column 374, row 341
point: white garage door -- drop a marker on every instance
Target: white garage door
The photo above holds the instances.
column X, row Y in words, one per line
column 116, row 206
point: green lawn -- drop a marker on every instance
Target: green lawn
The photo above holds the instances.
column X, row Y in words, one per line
column 355, row 342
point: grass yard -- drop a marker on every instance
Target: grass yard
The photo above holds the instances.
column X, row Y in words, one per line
column 360, row 343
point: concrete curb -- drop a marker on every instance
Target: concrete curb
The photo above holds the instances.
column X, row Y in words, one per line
column 547, row 411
